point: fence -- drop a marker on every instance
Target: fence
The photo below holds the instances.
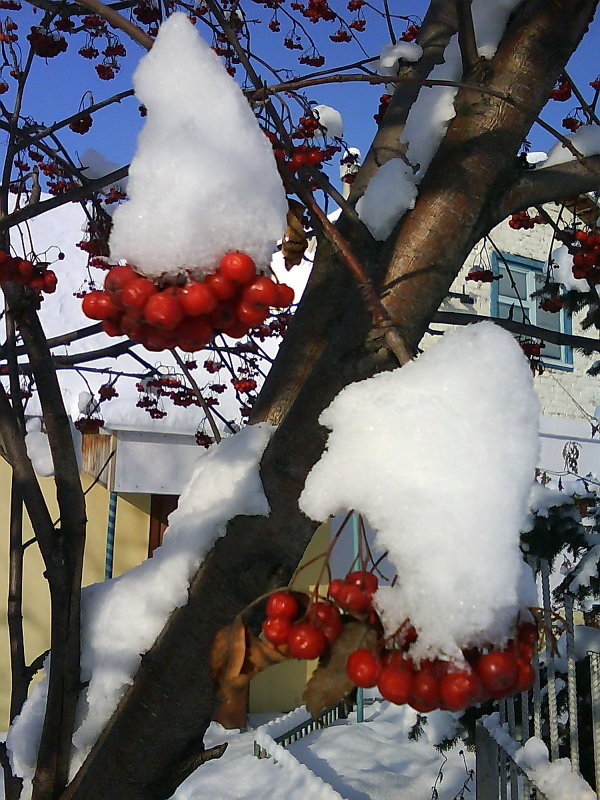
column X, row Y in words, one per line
column 517, row 749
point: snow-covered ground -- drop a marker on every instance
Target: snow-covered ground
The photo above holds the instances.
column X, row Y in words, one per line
column 373, row 760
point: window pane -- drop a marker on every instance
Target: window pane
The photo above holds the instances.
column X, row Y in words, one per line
column 551, row 351
column 518, row 315
column 505, row 286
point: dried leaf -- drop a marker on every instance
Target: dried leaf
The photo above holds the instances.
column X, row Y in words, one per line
column 329, row 683
column 236, row 656
column 294, row 239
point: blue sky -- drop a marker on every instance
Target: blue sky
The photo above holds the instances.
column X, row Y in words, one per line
column 57, row 87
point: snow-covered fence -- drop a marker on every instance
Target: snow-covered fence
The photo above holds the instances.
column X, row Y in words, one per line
column 511, row 761
column 281, row 734
column 271, row 739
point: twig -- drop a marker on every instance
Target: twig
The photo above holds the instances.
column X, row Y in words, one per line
column 119, row 21
column 196, row 389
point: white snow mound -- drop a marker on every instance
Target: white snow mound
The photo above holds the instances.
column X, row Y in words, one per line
column 439, row 457
column 203, row 180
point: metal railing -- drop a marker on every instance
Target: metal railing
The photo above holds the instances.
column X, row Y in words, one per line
column 499, row 776
column 325, row 718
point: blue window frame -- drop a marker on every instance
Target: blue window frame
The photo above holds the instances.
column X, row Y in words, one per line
column 529, row 276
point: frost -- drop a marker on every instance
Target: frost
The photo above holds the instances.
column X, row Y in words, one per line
column 460, row 421
column 203, row 180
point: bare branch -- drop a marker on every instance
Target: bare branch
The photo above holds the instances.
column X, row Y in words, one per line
column 520, row 328
column 466, row 36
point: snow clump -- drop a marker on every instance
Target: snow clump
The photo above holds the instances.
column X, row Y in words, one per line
column 203, row 180
column 586, row 140
column 439, row 457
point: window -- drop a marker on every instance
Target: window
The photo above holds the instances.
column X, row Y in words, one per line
column 527, row 277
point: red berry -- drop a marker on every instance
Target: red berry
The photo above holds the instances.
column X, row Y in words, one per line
column 352, row 598
column 332, row 629
column 525, row 676
column 395, row 684
column 425, row 695
column 163, row 310
column 277, row 629
column 306, row 641
column 363, row 668
column 118, row 277
column 237, row 267
column 136, row 293
column 458, row 689
column 334, row 588
column 197, row 298
column 220, row 286
column 251, row 315
column 111, row 328
column 282, row 604
column 99, row 305
column 497, row 670
column 261, row 292
column 193, row 334
column 367, row 581
column 285, row 296
column 320, row 613
column 50, row 281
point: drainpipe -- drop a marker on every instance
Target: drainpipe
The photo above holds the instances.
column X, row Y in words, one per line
column 110, row 536
column 356, row 565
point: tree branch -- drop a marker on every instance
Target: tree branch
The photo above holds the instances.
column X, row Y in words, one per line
column 542, row 185
column 118, row 21
column 79, row 193
column 519, row 328
column 466, row 36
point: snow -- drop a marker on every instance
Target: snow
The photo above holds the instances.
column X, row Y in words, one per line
column 374, row 759
column 563, row 271
column 95, row 165
column 391, row 54
column 395, row 182
column 330, row 119
column 122, row 617
column 541, row 500
column 553, row 778
column 585, row 139
column 203, row 180
column 433, row 109
column 38, row 450
column 459, row 422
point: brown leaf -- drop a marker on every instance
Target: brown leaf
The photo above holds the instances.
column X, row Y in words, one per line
column 329, row 683
column 294, row 239
column 236, row 656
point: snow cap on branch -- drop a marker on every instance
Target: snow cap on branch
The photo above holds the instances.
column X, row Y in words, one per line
column 203, row 180
column 439, row 456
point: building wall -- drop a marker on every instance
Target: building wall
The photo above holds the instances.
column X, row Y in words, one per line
column 562, row 393
column 131, row 547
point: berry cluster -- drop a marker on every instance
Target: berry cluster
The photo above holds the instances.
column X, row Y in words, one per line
column 82, row 124
column 45, row 43
column 483, row 275
column 306, row 629
column 586, row 262
column 571, row 123
column 25, row 272
column 232, row 300
column 441, row 684
column 384, row 102
column 562, row 91
column 307, row 633
column 552, row 304
column 522, row 221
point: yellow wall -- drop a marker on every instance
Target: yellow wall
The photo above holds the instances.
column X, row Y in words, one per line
column 280, row 687
column 131, row 547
